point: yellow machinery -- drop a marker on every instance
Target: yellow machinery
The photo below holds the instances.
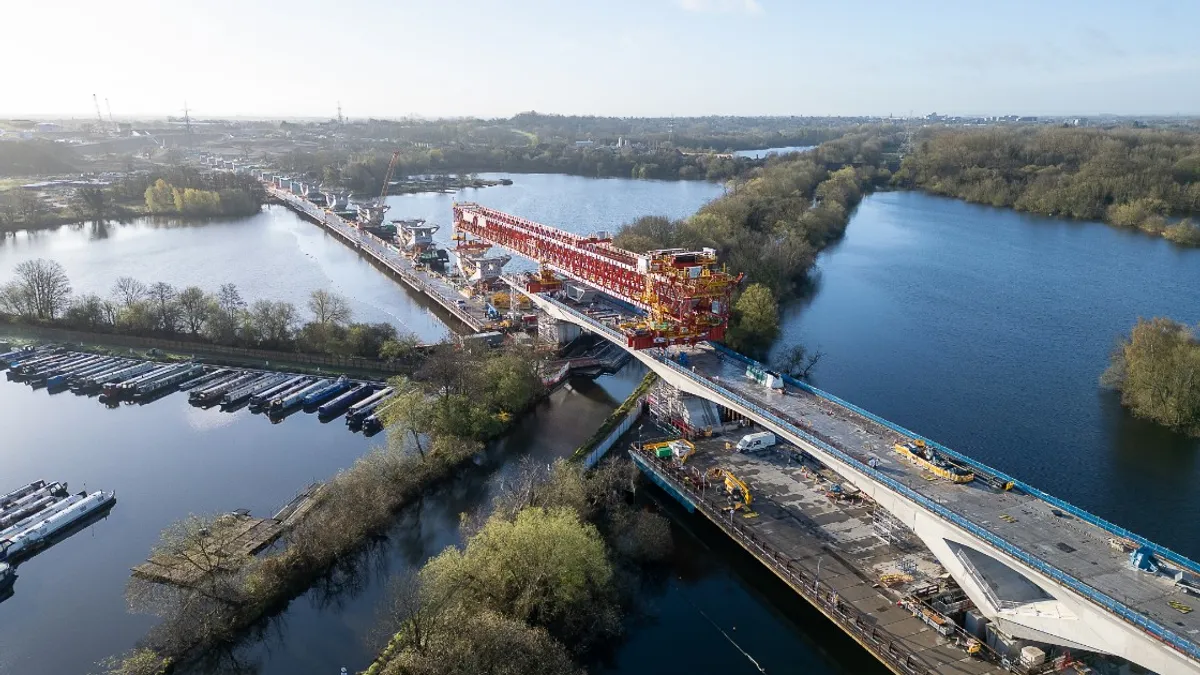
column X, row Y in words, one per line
column 734, row 486
column 919, row 453
column 679, row 448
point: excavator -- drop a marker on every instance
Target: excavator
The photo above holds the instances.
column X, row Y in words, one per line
column 736, row 488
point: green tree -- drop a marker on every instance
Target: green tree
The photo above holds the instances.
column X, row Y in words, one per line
column 755, row 322
column 1157, row 370
column 544, row 567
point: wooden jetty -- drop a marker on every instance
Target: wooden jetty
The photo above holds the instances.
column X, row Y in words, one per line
column 228, row 545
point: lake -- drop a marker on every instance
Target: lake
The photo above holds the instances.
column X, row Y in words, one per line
column 987, row 330
column 275, row 255
column 763, row 152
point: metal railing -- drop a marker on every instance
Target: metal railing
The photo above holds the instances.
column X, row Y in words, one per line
column 1131, row 616
column 378, row 250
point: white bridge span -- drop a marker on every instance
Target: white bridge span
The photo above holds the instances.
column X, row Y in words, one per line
column 1046, row 572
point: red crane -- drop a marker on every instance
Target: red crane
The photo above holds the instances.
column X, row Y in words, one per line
column 685, row 294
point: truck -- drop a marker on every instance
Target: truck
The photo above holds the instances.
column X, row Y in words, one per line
column 757, row 441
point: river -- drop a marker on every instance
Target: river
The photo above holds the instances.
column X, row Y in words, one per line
column 987, row 330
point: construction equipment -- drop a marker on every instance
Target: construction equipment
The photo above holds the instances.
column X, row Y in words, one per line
column 685, row 295
column 735, row 487
column 371, row 215
column 681, row 449
column 918, row 452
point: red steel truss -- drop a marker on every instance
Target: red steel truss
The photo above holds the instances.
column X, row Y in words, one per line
column 685, row 294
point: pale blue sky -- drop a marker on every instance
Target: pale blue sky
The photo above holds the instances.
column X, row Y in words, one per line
column 611, row 57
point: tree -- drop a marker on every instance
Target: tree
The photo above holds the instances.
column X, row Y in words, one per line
column 329, row 308
column 164, row 305
column 1157, row 371
column 757, row 320
column 91, row 202
column 88, row 311
column 194, row 308
column 409, row 411
column 544, row 567
column 30, row 206
column 273, row 321
column 44, row 286
column 469, row 643
column 160, row 197
column 128, row 290
column 229, row 301
column 798, row 363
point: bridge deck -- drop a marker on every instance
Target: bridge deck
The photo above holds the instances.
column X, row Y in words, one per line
column 438, row 288
column 1063, row 541
column 838, row 540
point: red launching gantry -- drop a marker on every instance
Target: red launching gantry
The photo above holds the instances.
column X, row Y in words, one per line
column 685, row 294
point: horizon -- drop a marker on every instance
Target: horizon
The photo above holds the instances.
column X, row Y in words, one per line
column 658, row 58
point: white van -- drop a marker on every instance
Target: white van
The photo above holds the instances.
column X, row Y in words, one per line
column 756, row 441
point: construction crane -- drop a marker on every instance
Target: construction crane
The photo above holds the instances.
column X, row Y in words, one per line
column 371, row 215
column 387, row 179
column 99, row 117
column 110, row 117
column 684, row 294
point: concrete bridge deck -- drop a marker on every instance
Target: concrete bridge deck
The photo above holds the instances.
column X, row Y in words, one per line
column 832, row 552
column 1040, row 568
column 1069, row 544
column 471, row 313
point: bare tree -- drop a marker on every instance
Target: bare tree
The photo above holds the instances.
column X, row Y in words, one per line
column 230, row 302
column 798, row 363
column 329, row 308
column 274, row 322
column 194, row 308
column 166, row 309
column 45, row 287
column 128, row 291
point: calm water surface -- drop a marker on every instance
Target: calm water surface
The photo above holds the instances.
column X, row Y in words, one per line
column 982, row 328
column 987, row 330
column 759, row 154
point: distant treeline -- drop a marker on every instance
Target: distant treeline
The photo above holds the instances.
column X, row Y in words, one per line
column 364, row 172
column 33, row 158
column 1136, row 178
column 175, row 191
column 774, row 221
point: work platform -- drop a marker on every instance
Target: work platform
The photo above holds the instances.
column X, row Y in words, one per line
column 827, row 550
column 472, row 311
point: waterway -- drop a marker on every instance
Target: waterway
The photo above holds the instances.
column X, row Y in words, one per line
column 763, row 152
column 988, row 329
column 277, row 256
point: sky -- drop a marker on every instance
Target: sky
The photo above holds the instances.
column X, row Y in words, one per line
column 495, row 58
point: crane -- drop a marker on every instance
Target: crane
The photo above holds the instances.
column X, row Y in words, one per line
column 684, row 294
column 371, row 215
column 110, row 117
column 387, row 178
column 99, row 117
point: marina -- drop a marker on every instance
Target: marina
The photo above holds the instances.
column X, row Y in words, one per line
column 38, row 515
column 118, row 380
